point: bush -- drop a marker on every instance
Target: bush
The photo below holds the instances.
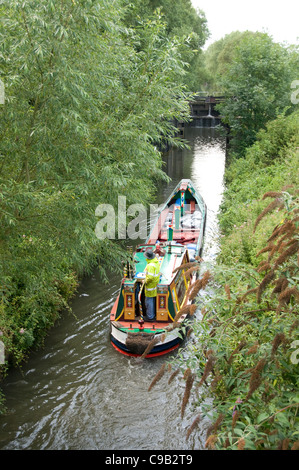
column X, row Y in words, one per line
column 242, row 352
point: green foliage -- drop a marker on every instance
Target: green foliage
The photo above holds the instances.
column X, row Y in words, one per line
column 242, row 352
column 271, row 163
column 220, row 56
column 258, row 87
column 88, row 103
column 182, row 22
column 276, row 141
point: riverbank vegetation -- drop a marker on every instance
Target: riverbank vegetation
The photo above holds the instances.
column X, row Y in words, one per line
column 244, row 349
column 90, row 98
column 241, row 365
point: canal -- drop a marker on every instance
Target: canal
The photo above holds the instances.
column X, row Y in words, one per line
column 77, row 392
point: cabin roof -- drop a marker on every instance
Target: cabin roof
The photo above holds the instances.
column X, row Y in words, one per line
column 187, row 223
column 168, row 262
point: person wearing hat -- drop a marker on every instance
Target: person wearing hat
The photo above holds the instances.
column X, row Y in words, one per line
column 151, row 281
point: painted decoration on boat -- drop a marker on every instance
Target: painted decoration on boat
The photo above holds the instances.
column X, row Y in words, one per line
column 175, row 241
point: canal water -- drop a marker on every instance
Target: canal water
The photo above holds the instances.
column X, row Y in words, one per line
column 77, row 392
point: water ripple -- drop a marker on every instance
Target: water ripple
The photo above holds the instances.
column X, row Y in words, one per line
column 78, row 392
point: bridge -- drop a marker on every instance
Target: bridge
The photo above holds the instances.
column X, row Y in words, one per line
column 203, row 109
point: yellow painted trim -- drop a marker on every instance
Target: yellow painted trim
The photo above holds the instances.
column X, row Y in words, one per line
column 184, row 299
column 186, row 283
column 177, row 307
column 119, row 315
column 169, row 314
column 122, row 309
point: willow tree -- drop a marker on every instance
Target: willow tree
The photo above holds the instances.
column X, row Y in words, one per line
column 182, row 20
column 85, row 109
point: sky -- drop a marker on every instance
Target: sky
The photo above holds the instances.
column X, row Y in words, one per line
column 280, row 19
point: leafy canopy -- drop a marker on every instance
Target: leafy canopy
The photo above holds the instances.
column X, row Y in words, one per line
column 257, row 86
column 88, row 103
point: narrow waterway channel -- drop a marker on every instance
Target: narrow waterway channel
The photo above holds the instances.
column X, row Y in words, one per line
column 77, row 392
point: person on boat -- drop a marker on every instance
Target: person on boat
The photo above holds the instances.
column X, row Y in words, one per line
column 158, row 250
column 152, row 277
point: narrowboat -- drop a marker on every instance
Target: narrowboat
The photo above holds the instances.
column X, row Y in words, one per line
column 176, row 239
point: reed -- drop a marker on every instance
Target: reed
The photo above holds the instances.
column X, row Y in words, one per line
column 215, row 426
column 198, row 285
column 273, row 194
column 208, row 368
column 190, row 271
column 277, row 203
column 241, row 443
column 284, row 444
column 149, row 347
column 189, row 290
column 158, row 376
column 253, row 349
column 186, row 310
column 280, row 285
column 218, row 377
column 211, row 441
column 193, row 426
column 227, row 291
column 265, row 249
column 193, row 309
column 279, row 338
column 291, row 250
column 256, row 378
column 191, row 264
column 187, row 373
column 173, row 375
column 285, row 297
column 183, row 311
column 262, row 286
column 281, row 229
column 263, row 266
column 290, row 232
column 189, row 384
column 286, row 294
column 236, row 415
column 189, row 332
column 294, row 325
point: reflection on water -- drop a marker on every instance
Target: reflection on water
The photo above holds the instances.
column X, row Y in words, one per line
column 78, row 392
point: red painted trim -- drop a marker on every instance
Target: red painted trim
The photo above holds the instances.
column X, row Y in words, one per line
column 149, row 355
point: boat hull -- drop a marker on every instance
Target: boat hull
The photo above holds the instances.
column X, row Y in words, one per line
column 172, row 341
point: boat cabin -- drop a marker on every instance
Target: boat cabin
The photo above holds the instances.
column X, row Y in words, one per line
column 171, row 290
column 176, row 239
